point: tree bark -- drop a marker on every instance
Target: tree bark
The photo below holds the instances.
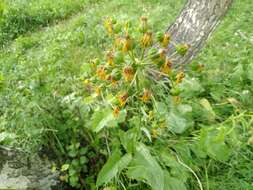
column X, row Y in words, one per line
column 194, row 25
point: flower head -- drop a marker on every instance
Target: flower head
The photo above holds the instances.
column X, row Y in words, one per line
column 101, row 72
column 147, row 39
column 179, row 77
column 166, row 39
column 116, row 111
column 162, row 53
column 109, row 25
column 127, row 44
column 98, row 91
column 146, row 96
column 144, row 23
column 122, row 98
column 128, row 73
column 110, row 57
column 166, row 67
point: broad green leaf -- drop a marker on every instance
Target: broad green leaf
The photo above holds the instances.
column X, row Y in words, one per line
column 190, row 87
column 176, row 123
column 101, row 119
column 128, row 139
column 105, row 118
column 176, row 169
column 172, row 183
column 144, row 167
column 184, row 108
column 207, row 106
column 212, row 141
column 113, row 166
column 162, row 108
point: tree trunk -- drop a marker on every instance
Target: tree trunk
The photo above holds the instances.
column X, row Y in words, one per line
column 194, row 25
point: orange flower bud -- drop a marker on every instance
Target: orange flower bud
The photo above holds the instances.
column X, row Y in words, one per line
column 109, row 25
column 146, row 96
column 154, row 133
column 147, row 40
column 128, row 73
column 118, row 42
column 144, row 19
column 110, row 57
column 116, row 111
column 86, row 81
column 166, row 67
column 166, row 40
column 123, row 99
column 97, row 91
column 180, row 76
column 144, row 24
column 177, row 99
column 127, row 44
column 162, row 53
column 112, row 80
column 101, row 72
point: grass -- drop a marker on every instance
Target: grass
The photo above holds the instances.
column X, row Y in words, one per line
column 40, row 70
column 18, row 17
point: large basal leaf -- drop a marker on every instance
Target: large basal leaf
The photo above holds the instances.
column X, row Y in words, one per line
column 176, row 169
column 144, row 167
column 113, row 166
column 128, row 139
column 103, row 118
column 207, row 106
column 190, row 87
column 100, row 119
column 172, row 183
column 212, row 141
column 176, row 123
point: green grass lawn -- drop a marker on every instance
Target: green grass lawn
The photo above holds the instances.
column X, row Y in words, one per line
column 41, row 70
